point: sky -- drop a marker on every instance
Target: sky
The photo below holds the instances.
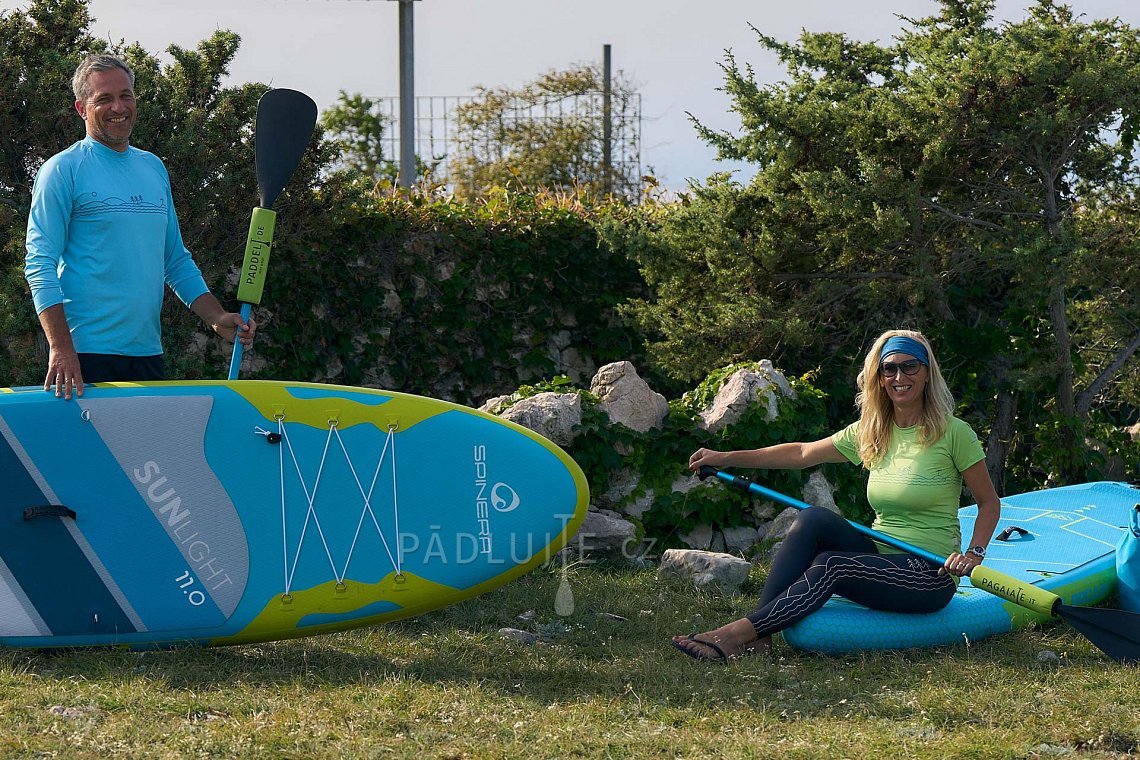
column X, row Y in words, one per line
column 672, row 50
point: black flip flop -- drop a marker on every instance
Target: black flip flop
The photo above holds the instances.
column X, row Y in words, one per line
column 721, row 656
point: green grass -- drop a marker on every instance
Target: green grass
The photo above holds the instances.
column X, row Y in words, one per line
column 446, row 685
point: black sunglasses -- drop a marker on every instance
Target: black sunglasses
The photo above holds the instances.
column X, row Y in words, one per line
column 889, row 369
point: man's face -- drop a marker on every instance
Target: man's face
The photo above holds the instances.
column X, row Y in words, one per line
column 109, row 110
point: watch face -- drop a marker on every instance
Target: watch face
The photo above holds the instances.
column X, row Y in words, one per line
column 980, row 551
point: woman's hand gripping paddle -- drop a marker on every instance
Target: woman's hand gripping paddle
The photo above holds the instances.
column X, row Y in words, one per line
column 1114, row 632
column 282, row 130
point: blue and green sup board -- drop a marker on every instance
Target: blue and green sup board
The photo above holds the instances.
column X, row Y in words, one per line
column 1060, row 539
column 207, row 513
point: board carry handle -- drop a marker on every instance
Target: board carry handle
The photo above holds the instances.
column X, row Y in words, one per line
column 48, row 510
column 998, row 583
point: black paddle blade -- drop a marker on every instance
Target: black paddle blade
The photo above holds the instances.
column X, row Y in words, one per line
column 1115, row 632
column 285, row 121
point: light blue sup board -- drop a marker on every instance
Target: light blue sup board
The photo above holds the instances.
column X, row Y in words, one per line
column 1066, row 544
column 205, row 513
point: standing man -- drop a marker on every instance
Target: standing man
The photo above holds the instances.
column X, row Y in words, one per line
column 103, row 238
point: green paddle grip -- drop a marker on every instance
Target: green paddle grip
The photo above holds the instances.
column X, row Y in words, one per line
column 258, row 246
column 1018, row 592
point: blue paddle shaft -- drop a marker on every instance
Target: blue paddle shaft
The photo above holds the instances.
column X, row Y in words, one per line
column 744, row 484
column 235, row 362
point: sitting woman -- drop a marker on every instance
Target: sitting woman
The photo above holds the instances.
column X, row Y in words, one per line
column 918, row 454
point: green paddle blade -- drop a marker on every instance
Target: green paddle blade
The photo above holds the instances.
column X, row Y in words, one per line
column 258, row 247
column 1114, row 632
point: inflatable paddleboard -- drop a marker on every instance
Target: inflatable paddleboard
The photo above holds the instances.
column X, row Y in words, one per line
column 1060, row 539
column 161, row 514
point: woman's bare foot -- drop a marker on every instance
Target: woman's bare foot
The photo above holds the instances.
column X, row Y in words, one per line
column 728, row 642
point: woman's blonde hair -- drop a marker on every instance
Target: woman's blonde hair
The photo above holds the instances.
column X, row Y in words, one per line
column 877, row 412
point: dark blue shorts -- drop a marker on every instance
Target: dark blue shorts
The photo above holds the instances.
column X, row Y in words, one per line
column 109, row 368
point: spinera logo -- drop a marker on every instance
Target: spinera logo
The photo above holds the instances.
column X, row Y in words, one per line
column 504, row 498
column 500, row 497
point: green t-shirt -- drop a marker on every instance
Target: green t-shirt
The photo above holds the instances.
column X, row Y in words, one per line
column 915, row 490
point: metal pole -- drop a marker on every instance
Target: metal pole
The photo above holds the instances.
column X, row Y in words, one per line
column 607, row 123
column 407, row 96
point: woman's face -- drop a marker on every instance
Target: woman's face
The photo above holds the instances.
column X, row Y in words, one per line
column 904, row 379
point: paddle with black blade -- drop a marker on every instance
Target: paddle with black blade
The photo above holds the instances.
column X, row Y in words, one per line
column 282, row 130
column 1114, row 632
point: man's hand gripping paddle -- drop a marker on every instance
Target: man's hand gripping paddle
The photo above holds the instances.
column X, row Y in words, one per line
column 282, row 130
column 1114, row 632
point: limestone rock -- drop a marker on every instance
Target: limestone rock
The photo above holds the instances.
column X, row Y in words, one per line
column 566, row 358
column 628, row 399
column 604, row 533
column 780, row 526
column 686, row 483
column 640, row 505
column 515, row 634
column 722, row 572
column 763, row 511
column 493, row 405
column 699, row 537
column 623, row 482
column 740, row 540
column 819, row 493
column 717, row 544
column 745, row 387
column 553, row 415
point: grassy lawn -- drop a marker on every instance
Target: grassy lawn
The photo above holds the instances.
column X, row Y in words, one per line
column 446, row 685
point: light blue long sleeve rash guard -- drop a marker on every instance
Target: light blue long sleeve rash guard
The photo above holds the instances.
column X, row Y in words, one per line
column 102, row 239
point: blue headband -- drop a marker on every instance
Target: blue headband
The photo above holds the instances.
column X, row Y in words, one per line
column 900, row 344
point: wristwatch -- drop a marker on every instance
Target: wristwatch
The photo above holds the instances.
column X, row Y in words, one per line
column 977, row 551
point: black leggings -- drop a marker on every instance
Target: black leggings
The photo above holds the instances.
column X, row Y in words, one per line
column 823, row 554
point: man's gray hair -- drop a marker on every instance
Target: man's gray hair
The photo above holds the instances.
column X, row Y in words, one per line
column 92, row 63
